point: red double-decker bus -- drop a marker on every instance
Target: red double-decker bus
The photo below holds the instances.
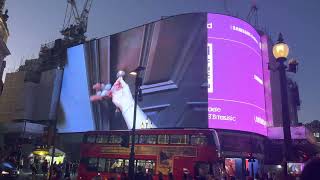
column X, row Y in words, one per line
column 158, row 152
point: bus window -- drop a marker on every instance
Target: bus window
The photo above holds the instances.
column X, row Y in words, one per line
column 163, row 139
column 199, row 140
column 108, row 165
column 114, row 139
column 92, row 164
column 105, row 138
column 148, row 139
column 140, row 164
column 179, row 139
column 116, row 165
column 150, row 166
column 152, row 139
column 102, row 139
column 126, row 165
column 101, row 165
column 91, row 138
column 136, row 139
column 146, row 166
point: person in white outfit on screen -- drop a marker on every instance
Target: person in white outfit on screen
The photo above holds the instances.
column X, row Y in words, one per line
column 122, row 99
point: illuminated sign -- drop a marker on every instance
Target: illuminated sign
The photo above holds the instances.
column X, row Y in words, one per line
column 75, row 114
column 236, row 99
column 235, row 70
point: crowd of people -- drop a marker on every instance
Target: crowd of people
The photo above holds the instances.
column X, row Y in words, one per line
column 37, row 165
column 68, row 169
column 59, row 170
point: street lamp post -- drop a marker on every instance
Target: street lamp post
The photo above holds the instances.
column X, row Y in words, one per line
column 137, row 92
column 280, row 52
column 52, row 142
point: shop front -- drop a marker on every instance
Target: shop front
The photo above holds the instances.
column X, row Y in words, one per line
column 41, row 154
column 239, row 167
column 303, row 148
column 242, row 153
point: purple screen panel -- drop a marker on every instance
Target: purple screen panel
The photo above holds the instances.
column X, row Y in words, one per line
column 236, row 98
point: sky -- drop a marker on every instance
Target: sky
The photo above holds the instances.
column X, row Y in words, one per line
column 35, row 22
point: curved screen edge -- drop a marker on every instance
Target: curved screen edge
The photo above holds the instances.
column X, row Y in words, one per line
column 236, row 99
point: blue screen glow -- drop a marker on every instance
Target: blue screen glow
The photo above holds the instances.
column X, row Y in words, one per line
column 75, row 113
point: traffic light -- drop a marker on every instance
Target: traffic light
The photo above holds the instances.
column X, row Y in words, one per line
column 125, row 141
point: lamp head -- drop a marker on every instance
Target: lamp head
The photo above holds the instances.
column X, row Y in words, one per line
column 280, row 49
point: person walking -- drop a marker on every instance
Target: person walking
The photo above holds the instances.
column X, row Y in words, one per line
column 44, row 168
column 74, row 168
column 67, row 170
column 33, row 170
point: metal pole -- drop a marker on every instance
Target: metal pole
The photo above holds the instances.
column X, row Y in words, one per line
column 252, row 169
column 285, row 115
column 20, row 143
column 53, row 148
column 131, row 159
column 244, row 169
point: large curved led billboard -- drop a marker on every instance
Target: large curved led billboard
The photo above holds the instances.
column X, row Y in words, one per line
column 236, row 97
column 201, row 70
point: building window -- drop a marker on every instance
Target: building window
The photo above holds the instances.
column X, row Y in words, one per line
column 317, row 134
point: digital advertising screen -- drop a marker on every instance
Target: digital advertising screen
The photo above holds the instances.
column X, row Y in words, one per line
column 174, row 82
column 295, row 168
column 200, row 71
column 236, row 99
column 74, row 111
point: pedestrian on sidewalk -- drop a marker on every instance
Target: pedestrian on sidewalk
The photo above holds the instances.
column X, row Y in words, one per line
column 67, row 170
column 44, row 168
